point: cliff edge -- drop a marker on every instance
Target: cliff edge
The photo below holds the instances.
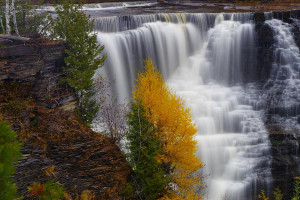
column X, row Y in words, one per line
column 55, row 145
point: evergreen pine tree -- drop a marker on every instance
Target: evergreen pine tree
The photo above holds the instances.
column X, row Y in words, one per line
column 144, row 147
column 9, row 154
column 75, row 28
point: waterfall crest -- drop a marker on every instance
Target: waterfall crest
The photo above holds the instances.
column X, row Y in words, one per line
column 201, row 20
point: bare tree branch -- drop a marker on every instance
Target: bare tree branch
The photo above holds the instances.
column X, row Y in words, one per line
column 7, row 18
column 112, row 114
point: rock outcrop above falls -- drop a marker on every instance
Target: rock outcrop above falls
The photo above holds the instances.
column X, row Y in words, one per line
column 56, row 146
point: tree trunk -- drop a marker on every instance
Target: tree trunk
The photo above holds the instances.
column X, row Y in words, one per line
column 13, row 12
column 1, row 23
column 7, row 12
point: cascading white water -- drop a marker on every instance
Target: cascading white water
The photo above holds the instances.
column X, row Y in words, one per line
column 283, row 86
column 201, row 20
column 202, row 57
column 169, row 45
column 233, row 143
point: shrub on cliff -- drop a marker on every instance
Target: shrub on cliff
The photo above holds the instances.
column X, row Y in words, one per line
column 75, row 28
column 9, row 154
column 48, row 191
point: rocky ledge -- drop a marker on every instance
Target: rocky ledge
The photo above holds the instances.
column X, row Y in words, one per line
column 55, row 145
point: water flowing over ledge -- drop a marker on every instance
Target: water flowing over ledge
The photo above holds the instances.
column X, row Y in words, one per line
column 128, row 22
column 205, row 59
column 283, row 86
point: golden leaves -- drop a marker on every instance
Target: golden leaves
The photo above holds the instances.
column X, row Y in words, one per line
column 174, row 127
column 4, row 63
column 262, row 196
column 87, row 195
column 50, row 171
column 67, row 196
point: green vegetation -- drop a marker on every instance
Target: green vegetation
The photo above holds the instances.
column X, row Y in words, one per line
column 74, row 27
column 15, row 101
column 144, row 147
column 47, row 191
column 29, row 20
column 262, row 195
column 9, row 154
column 277, row 194
column 296, row 189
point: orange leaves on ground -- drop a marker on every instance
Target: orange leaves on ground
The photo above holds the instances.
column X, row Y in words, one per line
column 175, row 129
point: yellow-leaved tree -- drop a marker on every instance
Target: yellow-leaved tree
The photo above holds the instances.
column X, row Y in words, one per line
column 175, row 130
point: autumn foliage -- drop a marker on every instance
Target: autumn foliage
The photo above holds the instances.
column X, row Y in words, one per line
column 47, row 191
column 175, row 130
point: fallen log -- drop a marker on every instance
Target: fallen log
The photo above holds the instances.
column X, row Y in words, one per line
column 14, row 38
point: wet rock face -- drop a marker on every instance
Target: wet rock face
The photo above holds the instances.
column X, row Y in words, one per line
column 265, row 40
column 296, row 29
column 56, row 146
column 285, row 158
column 291, row 17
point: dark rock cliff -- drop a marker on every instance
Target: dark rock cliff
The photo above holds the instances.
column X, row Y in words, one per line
column 56, row 146
column 264, row 47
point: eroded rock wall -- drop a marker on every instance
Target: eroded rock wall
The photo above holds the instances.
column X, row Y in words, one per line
column 56, row 146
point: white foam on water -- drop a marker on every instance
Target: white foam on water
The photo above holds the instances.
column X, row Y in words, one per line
column 202, row 59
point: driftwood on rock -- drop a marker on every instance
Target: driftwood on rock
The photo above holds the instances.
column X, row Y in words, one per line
column 15, row 38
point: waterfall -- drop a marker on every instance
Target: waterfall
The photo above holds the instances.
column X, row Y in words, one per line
column 201, row 20
column 283, row 87
column 203, row 58
column 232, row 139
column 167, row 44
